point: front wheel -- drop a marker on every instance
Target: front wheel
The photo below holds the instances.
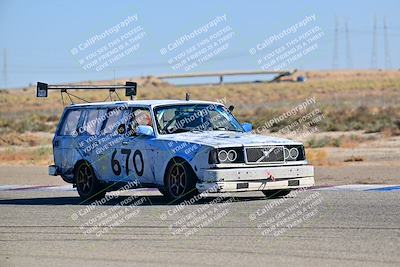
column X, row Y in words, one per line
column 276, row 193
column 180, row 181
column 87, row 184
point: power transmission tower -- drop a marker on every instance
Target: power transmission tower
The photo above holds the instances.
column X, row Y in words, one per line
column 374, row 58
column 335, row 58
column 349, row 59
column 5, row 67
column 388, row 60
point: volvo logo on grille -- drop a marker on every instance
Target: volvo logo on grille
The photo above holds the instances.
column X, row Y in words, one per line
column 266, row 152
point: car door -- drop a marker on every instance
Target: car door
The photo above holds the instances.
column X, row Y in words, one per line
column 138, row 162
column 123, row 156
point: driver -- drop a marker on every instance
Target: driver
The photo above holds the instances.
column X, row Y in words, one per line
column 143, row 118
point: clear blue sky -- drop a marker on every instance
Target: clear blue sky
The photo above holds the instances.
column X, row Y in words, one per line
column 38, row 35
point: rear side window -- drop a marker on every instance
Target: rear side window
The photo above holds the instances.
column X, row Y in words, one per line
column 113, row 121
column 93, row 119
column 70, row 122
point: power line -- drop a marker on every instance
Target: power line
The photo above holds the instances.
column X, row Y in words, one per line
column 374, row 57
column 5, row 67
column 349, row 59
column 335, row 58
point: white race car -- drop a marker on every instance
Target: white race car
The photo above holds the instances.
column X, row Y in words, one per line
column 180, row 147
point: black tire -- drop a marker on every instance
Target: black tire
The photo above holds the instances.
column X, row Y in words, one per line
column 179, row 181
column 276, row 193
column 87, row 184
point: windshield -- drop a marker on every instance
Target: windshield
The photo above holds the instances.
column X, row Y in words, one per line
column 195, row 117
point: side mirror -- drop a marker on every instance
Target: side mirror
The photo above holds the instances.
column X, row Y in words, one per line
column 144, row 130
column 121, row 129
column 247, row 127
column 231, row 108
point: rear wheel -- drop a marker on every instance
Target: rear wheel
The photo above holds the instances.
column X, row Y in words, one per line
column 276, row 193
column 179, row 182
column 87, row 184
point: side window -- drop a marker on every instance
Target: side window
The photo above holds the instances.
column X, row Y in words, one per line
column 70, row 122
column 92, row 121
column 139, row 116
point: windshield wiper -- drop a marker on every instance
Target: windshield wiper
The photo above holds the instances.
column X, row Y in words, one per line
column 221, row 129
column 224, row 129
column 180, row 130
column 196, row 130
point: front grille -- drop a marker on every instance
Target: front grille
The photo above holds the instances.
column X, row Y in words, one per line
column 265, row 154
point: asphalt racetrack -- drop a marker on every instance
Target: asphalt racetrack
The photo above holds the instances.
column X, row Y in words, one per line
column 51, row 227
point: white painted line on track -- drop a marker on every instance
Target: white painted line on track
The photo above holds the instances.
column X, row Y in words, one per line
column 69, row 188
column 359, row 187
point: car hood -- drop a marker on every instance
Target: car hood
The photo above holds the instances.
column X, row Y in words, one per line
column 226, row 139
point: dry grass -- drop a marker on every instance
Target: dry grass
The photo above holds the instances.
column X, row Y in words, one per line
column 41, row 155
column 26, row 139
column 317, row 157
column 330, row 88
column 352, row 100
column 344, row 141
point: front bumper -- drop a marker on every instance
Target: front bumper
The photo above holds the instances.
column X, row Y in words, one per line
column 257, row 179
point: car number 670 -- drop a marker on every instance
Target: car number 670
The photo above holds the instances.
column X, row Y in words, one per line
column 116, row 166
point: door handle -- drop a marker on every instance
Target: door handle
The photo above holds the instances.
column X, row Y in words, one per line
column 124, row 143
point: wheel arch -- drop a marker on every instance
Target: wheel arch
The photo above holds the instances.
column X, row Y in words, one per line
column 172, row 161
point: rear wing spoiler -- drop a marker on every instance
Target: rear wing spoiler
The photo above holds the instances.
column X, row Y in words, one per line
column 43, row 88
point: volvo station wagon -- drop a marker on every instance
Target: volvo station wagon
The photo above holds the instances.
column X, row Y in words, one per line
column 181, row 147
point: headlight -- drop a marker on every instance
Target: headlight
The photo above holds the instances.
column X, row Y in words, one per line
column 226, row 155
column 232, row 155
column 222, row 156
column 294, row 153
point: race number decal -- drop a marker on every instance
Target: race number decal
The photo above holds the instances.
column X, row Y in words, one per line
column 127, row 152
column 116, row 167
column 138, row 155
column 137, row 159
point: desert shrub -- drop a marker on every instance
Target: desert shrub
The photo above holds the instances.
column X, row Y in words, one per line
column 26, row 123
column 323, row 141
column 370, row 120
